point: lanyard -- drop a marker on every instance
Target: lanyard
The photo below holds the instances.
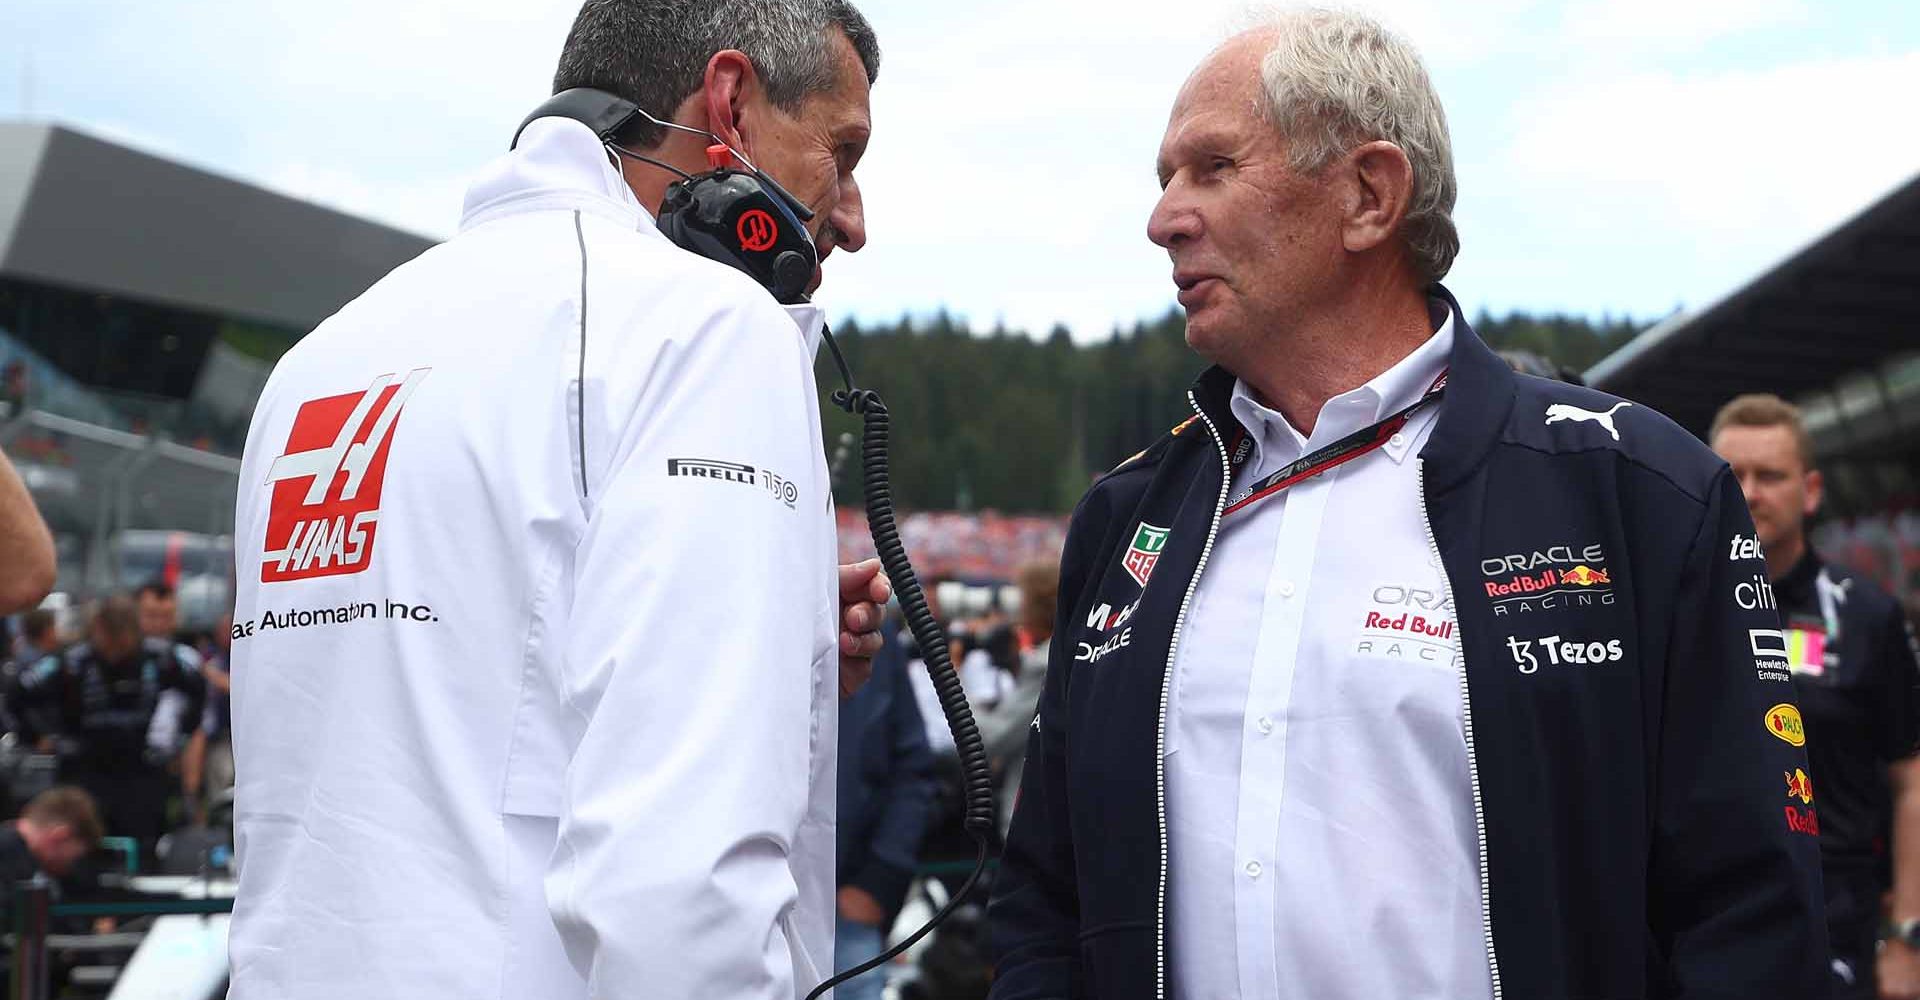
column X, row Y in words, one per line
column 1355, row 445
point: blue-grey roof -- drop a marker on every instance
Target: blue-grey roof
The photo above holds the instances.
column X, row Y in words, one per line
column 85, row 213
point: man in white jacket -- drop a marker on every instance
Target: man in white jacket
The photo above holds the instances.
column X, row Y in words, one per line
column 538, row 637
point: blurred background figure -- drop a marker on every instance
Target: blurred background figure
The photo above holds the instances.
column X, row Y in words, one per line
column 886, row 788
column 159, row 609
column 1857, row 683
column 57, row 828
column 119, row 709
column 216, row 725
column 39, row 636
column 1004, row 727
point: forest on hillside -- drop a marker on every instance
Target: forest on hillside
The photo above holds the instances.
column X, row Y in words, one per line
column 1006, row 421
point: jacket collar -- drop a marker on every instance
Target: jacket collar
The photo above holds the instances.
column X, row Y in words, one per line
column 1480, row 390
column 558, row 164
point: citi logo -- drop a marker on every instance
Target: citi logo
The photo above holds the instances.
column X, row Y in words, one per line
column 326, row 486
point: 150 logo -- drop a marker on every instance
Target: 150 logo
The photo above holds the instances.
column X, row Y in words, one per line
column 326, row 486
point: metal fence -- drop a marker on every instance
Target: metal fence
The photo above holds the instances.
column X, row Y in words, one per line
column 126, row 507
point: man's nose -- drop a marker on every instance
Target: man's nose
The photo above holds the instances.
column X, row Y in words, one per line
column 1174, row 220
column 850, row 216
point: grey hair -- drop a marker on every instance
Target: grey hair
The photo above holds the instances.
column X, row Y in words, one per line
column 1337, row 78
column 655, row 52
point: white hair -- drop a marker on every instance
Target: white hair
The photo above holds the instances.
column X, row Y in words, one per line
column 1337, row 78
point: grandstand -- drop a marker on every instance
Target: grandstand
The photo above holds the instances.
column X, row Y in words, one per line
column 1835, row 328
column 142, row 305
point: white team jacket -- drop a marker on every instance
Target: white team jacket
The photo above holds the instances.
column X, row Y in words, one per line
column 535, row 671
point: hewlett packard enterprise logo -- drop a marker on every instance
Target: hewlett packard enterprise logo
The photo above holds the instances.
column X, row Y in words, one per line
column 776, row 486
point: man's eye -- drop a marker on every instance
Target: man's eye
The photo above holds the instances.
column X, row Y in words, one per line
column 1219, row 163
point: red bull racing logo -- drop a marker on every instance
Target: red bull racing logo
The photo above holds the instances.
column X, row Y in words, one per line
column 1799, row 786
column 1584, row 576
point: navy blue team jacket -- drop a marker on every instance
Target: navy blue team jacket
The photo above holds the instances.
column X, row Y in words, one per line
column 1631, row 725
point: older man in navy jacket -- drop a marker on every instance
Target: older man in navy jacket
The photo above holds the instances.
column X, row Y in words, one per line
column 1392, row 673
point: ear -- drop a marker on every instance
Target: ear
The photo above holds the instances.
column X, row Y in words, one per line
column 1378, row 185
column 1816, row 491
column 732, row 85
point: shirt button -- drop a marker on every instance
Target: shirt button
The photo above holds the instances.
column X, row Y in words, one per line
column 1265, row 725
column 1253, row 869
column 1397, row 440
column 1286, row 588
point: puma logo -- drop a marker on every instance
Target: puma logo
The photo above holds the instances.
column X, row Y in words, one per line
column 1565, row 411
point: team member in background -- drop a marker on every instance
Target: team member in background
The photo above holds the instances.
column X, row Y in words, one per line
column 886, row 792
column 120, row 710
column 538, row 644
column 1357, row 692
column 159, row 608
column 1858, row 686
column 57, row 828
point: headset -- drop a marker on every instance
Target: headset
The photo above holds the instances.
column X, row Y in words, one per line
column 747, row 220
column 738, row 217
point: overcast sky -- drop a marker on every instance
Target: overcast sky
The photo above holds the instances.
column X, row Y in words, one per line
column 1614, row 157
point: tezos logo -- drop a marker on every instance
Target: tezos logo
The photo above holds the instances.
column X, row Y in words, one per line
column 326, row 486
column 1561, row 652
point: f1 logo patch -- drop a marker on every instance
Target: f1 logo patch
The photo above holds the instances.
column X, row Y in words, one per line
column 326, row 487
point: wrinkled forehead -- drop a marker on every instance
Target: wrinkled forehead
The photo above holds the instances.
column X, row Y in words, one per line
column 1226, row 86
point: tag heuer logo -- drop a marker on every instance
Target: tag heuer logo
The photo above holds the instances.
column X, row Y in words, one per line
column 1144, row 552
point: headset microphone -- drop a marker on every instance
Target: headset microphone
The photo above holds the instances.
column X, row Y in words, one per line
column 747, row 220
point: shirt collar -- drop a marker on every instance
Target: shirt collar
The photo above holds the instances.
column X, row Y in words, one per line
column 558, row 164
column 1386, row 393
column 810, row 320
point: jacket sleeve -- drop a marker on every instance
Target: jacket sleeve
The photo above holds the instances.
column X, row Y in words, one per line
column 689, row 665
column 904, row 801
column 1034, row 916
column 1897, row 719
column 1004, row 727
column 1736, row 906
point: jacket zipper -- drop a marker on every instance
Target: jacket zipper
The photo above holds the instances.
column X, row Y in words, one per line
column 1166, row 685
column 1466, row 718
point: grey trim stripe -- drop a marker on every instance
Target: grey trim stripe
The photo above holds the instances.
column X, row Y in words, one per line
column 580, row 387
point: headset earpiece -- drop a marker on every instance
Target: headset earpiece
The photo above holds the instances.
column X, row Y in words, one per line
column 741, row 218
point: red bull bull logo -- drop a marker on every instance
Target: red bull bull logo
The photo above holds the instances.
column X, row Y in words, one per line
column 1799, row 786
column 1584, row 576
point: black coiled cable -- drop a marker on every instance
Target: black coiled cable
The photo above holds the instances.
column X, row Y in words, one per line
column 976, row 777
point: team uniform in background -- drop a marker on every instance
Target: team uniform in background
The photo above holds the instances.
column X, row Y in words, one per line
column 535, row 655
column 1855, row 676
column 119, row 726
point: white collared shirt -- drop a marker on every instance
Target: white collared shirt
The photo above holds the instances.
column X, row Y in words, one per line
column 1319, row 804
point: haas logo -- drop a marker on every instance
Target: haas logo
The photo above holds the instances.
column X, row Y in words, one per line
column 1564, row 411
column 326, row 488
